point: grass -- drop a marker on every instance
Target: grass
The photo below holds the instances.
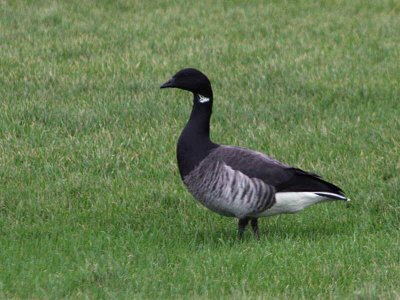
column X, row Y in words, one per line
column 91, row 204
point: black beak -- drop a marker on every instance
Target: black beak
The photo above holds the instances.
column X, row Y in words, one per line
column 168, row 84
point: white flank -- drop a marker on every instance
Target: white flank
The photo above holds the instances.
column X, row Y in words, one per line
column 334, row 195
column 292, row 202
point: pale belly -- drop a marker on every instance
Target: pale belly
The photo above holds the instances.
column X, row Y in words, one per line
column 225, row 206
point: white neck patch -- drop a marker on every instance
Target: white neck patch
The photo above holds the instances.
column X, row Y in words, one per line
column 203, row 99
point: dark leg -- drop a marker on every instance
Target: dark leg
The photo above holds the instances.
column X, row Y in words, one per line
column 242, row 226
column 254, row 226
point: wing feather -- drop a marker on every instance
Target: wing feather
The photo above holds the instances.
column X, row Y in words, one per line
column 283, row 177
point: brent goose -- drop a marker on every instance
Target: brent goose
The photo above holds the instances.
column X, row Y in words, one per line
column 234, row 181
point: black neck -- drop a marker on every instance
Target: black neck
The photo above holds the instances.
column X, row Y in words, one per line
column 194, row 143
column 199, row 121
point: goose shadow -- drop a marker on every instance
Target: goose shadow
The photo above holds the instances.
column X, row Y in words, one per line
column 270, row 231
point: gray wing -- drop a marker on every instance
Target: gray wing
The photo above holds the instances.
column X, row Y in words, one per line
column 282, row 177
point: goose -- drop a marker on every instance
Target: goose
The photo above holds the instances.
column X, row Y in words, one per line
column 234, row 181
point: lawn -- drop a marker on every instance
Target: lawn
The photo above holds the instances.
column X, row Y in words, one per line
column 91, row 203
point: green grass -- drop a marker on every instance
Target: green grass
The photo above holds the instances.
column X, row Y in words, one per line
column 91, row 204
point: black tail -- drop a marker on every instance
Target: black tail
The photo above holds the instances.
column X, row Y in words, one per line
column 302, row 181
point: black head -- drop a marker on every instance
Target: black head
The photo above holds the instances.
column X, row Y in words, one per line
column 191, row 80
